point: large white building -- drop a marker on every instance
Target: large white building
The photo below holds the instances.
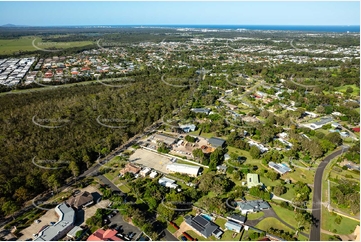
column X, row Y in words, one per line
column 184, row 169
column 62, row 227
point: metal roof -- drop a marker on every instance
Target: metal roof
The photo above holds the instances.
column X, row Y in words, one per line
column 182, row 168
column 280, row 168
column 216, row 142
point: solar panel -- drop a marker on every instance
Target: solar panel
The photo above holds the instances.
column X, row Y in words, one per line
column 197, row 226
column 202, row 221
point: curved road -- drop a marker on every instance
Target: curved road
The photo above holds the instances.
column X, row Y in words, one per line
column 315, row 234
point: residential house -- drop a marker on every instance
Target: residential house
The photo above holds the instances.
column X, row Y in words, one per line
column 253, row 180
column 164, row 181
column 237, row 218
column 145, row 171
column 201, row 110
column 233, row 226
column 104, row 235
column 252, row 206
column 129, row 168
column 203, row 226
column 83, row 199
column 280, row 168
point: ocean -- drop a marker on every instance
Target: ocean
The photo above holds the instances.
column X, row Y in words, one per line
column 306, row 28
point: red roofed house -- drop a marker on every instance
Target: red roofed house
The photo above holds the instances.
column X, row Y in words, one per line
column 48, row 74
column 357, row 129
column 104, row 235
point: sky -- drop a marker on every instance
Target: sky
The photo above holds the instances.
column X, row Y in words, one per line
column 180, row 13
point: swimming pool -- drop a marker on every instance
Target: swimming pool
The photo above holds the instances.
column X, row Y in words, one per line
column 206, row 216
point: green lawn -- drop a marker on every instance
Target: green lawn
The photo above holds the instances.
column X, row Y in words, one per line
column 124, row 188
column 246, row 154
column 221, row 222
column 227, row 236
column 290, row 192
column 267, row 223
column 356, row 90
column 10, row 46
column 196, row 236
column 286, row 215
column 347, row 226
column 253, row 216
column 179, row 220
column 300, row 175
column 171, row 229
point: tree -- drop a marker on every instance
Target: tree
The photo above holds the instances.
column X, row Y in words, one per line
column 10, row 207
column 273, row 175
column 334, row 138
column 255, row 152
column 166, row 212
column 279, row 190
column 190, row 139
column 74, row 168
column 349, row 90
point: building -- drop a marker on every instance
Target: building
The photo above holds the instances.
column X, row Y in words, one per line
column 164, row 138
column 261, row 147
column 83, row 199
column 201, row 110
column 188, row 128
column 216, row 142
column 129, row 168
column 253, row 180
column 237, row 218
column 233, row 226
column 183, row 169
column 317, row 125
column 153, row 174
column 72, row 233
column 280, row 168
column 336, row 125
column 145, row 171
column 252, row 206
column 203, row 226
column 62, row 227
column 164, row 181
column 104, row 235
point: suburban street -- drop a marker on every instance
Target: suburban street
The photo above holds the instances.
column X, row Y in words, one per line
column 315, row 234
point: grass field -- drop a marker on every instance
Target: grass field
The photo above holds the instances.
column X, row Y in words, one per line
column 10, row 46
column 253, row 216
column 356, row 90
column 267, row 223
column 286, row 215
column 347, row 226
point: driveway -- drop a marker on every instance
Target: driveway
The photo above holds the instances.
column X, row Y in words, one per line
column 126, row 228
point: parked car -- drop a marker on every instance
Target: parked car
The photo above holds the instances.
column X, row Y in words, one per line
column 117, row 228
column 132, row 234
column 183, row 238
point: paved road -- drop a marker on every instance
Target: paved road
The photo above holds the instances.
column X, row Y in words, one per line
column 317, row 195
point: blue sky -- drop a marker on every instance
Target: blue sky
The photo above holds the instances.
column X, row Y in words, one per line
column 152, row 13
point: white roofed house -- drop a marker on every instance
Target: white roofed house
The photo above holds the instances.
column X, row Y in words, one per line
column 164, row 181
column 184, row 169
column 145, row 171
